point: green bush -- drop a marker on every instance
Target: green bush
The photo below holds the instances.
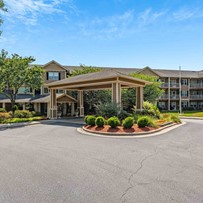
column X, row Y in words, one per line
column 91, row 120
column 100, row 121
column 149, row 109
column 175, row 118
column 86, row 117
column 128, row 122
column 107, row 110
column 113, row 122
column 2, row 110
column 22, row 114
column 122, row 115
column 143, row 122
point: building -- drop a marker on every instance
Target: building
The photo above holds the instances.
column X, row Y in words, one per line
column 188, row 88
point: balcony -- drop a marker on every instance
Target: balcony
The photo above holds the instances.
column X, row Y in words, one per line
column 164, row 96
column 164, row 85
column 198, row 97
column 174, row 85
column 174, row 97
column 196, row 85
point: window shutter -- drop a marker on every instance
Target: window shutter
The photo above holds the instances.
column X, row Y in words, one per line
column 47, row 75
column 59, row 75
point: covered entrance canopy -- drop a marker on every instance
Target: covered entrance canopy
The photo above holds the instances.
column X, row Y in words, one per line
column 107, row 79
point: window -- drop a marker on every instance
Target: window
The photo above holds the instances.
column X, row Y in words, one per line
column 60, row 91
column 46, row 90
column 184, row 93
column 184, row 82
column 53, row 76
column 24, row 90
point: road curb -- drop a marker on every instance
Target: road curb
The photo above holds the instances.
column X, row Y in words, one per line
column 133, row 135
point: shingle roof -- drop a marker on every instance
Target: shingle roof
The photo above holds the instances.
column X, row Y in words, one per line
column 104, row 74
column 175, row 73
column 28, row 98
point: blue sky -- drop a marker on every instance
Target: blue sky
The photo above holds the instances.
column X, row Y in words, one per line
column 117, row 33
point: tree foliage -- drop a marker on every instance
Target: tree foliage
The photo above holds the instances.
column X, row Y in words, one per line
column 84, row 70
column 92, row 98
column 152, row 92
column 15, row 72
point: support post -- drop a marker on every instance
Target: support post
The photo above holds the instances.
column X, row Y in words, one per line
column 169, row 94
column 53, row 102
column 72, row 109
column 23, row 106
column 116, row 93
column 80, row 103
column 4, row 105
column 139, row 98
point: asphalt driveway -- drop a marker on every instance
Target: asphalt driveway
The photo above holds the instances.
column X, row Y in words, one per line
column 54, row 163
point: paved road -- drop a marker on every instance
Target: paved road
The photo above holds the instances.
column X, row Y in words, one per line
column 54, row 163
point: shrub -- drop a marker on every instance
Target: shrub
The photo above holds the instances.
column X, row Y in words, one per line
column 143, row 122
column 122, row 115
column 91, row 120
column 128, row 122
column 4, row 116
column 113, row 122
column 86, row 117
column 2, row 110
column 107, row 110
column 100, row 121
column 175, row 118
column 22, row 114
column 149, row 109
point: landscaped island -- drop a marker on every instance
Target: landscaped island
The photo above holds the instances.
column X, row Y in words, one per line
column 149, row 119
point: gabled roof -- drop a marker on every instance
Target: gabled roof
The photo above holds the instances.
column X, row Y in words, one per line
column 97, row 78
column 58, row 64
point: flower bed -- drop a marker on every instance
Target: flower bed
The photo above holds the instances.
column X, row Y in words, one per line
column 118, row 129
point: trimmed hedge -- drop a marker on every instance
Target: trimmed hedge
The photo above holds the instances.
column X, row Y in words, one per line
column 143, row 122
column 128, row 122
column 100, row 121
column 91, row 120
column 113, row 122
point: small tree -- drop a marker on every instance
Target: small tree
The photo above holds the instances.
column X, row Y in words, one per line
column 153, row 91
column 15, row 73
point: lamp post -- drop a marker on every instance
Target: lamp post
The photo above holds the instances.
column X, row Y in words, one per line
column 180, row 96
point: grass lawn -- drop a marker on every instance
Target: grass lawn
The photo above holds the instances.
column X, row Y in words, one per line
column 188, row 113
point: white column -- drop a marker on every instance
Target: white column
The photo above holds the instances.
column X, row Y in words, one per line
column 53, row 102
column 4, row 105
column 169, row 93
column 139, row 98
column 80, row 103
column 116, row 93
column 72, row 109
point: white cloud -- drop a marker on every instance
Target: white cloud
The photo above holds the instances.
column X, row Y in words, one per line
column 186, row 14
column 149, row 16
column 111, row 26
column 28, row 11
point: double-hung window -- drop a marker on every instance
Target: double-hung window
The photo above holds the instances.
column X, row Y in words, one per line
column 53, row 76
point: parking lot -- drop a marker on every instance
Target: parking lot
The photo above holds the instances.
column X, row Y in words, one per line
column 52, row 162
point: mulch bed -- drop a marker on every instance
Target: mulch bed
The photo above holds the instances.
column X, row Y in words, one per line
column 119, row 129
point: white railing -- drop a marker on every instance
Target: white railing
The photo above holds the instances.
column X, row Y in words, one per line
column 199, row 96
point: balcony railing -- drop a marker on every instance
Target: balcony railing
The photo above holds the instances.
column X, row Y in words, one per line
column 174, row 85
column 196, row 85
column 174, row 96
column 199, row 96
column 164, row 85
column 164, row 96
